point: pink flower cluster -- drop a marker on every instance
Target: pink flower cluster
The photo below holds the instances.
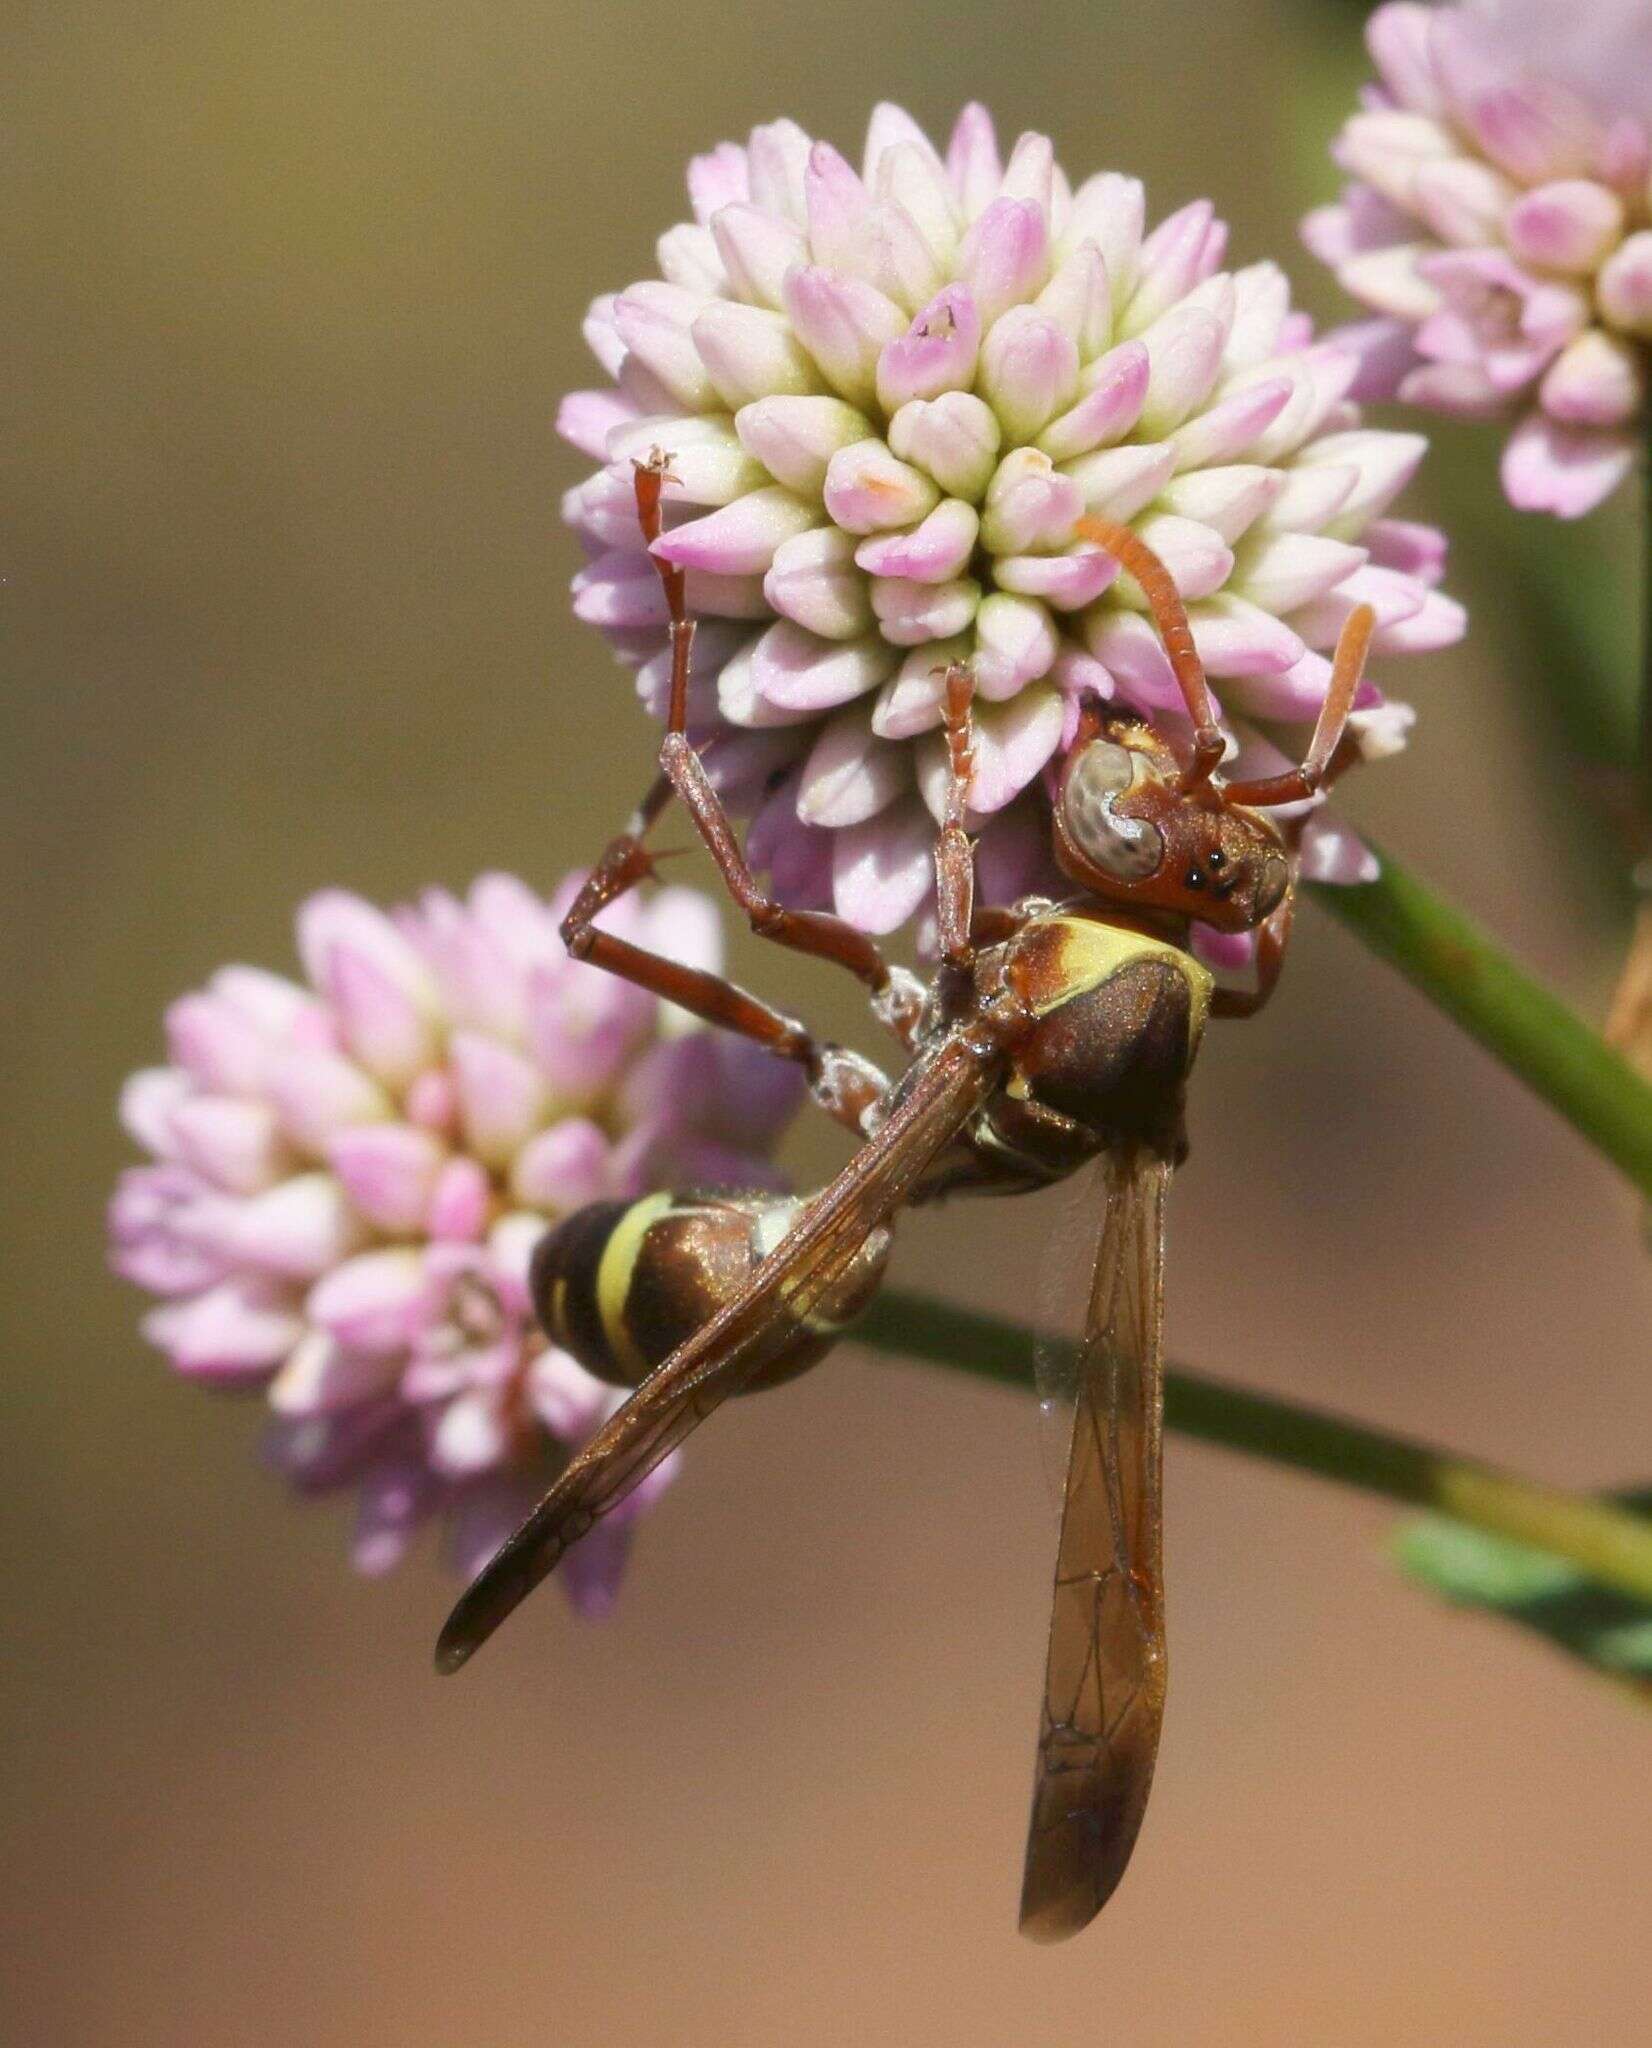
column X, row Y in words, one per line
column 890, row 394
column 1499, row 219
column 348, row 1179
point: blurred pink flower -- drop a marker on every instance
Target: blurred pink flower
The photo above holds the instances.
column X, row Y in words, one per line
column 1499, row 220
column 348, row 1179
column 888, row 394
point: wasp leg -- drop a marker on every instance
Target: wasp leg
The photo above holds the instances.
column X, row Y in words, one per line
column 954, row 854
column 1272, row 938
column 896, row 997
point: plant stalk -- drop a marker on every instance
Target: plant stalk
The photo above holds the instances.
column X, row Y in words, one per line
column 1532, row 1032
column 1610, row 1546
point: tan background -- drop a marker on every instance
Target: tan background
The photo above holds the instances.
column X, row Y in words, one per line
column 292, row 288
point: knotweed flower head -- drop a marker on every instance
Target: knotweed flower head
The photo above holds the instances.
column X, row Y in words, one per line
column 1499, row 219
column 889, row 397
column 348, row 1179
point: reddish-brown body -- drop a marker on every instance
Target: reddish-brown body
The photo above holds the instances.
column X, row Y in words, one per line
column 1051, row 1035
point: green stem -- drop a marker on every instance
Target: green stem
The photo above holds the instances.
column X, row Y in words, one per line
column 1534, row 1034
column 1610, row 1546
column 1643, row 757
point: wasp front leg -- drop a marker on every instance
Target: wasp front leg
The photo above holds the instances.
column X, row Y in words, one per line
column 1272, row 938
column 896, row 997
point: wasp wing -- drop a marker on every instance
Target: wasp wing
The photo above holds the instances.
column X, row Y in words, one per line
column 1066, row 1276
column 733, row 1347
column 1105, row 1678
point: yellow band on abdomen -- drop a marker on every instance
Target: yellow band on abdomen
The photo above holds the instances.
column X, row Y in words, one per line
column 614, row 1270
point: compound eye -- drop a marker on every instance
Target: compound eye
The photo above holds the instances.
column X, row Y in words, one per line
column 1127, row 849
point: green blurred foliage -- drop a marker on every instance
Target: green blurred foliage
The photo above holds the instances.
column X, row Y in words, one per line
column 1606, row 1630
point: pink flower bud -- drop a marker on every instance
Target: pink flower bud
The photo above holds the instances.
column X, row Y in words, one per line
column 933, row 552
column 795, row 438
column 1596, row 381
column 882, row 870
column 1184, row 353
column 1004, row 258
column 912, row 614
column 375, row 1302
column 216, row 1044
column 654, row 322
column 1030, row 505
column 1624, row 287
column 716, row 179
column 972, row 159
column 501, row 1096
column 835, row 203
column 909, row 175
column 1198, row 559
column 562, row 1168
column 1231, row 427
column 936, row 353
column 1111, row 211
column 1231, row 498
column 870, row 490
column 238, row 1330
column 844, row 324
column 911, row 701
column 741, row 539
column 1566, row 470
column 757, row 249
column 953, row 438
column 1029, row 371
column 317, row 1094
column 850, row 774
column 796, row 671
column 1234, row 638
column 1571, row 225
column 1115, row 389
column 776, row 163
column 322, row 1377
column 815, row 583
column 1015, row 643
column 1117, row 483
column 1282, row 571
column 389, row 1173
column 1180, row 253
column 687, row 256
column 751, row 353
column 1079, row 298
column 231, row 1141
column 1067, row 582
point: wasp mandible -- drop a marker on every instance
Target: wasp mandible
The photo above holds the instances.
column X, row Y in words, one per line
column 1052, row 1034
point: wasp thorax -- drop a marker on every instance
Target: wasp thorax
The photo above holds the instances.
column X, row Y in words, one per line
column 1128, row 849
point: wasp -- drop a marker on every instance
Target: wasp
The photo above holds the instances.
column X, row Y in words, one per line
column 1052, row 1034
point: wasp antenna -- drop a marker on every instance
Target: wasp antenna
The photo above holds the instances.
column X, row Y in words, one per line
column 1346, row 669
column 1348, row 665
column 1164, row 600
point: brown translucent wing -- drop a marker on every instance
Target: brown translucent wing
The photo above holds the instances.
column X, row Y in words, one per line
column 732, row 1348
column 1104, row 1682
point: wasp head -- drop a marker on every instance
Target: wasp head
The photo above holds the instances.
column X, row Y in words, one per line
column 1128, row 829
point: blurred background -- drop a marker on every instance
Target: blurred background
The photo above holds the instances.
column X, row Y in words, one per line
column 295, row 288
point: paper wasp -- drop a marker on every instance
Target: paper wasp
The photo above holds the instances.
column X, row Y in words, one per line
column 1051, row 1034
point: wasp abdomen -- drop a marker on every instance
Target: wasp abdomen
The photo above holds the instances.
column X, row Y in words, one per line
column 622, row 1284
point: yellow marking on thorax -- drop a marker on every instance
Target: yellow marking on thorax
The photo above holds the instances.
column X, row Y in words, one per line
column 1093, row 952
column 614, row 1270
